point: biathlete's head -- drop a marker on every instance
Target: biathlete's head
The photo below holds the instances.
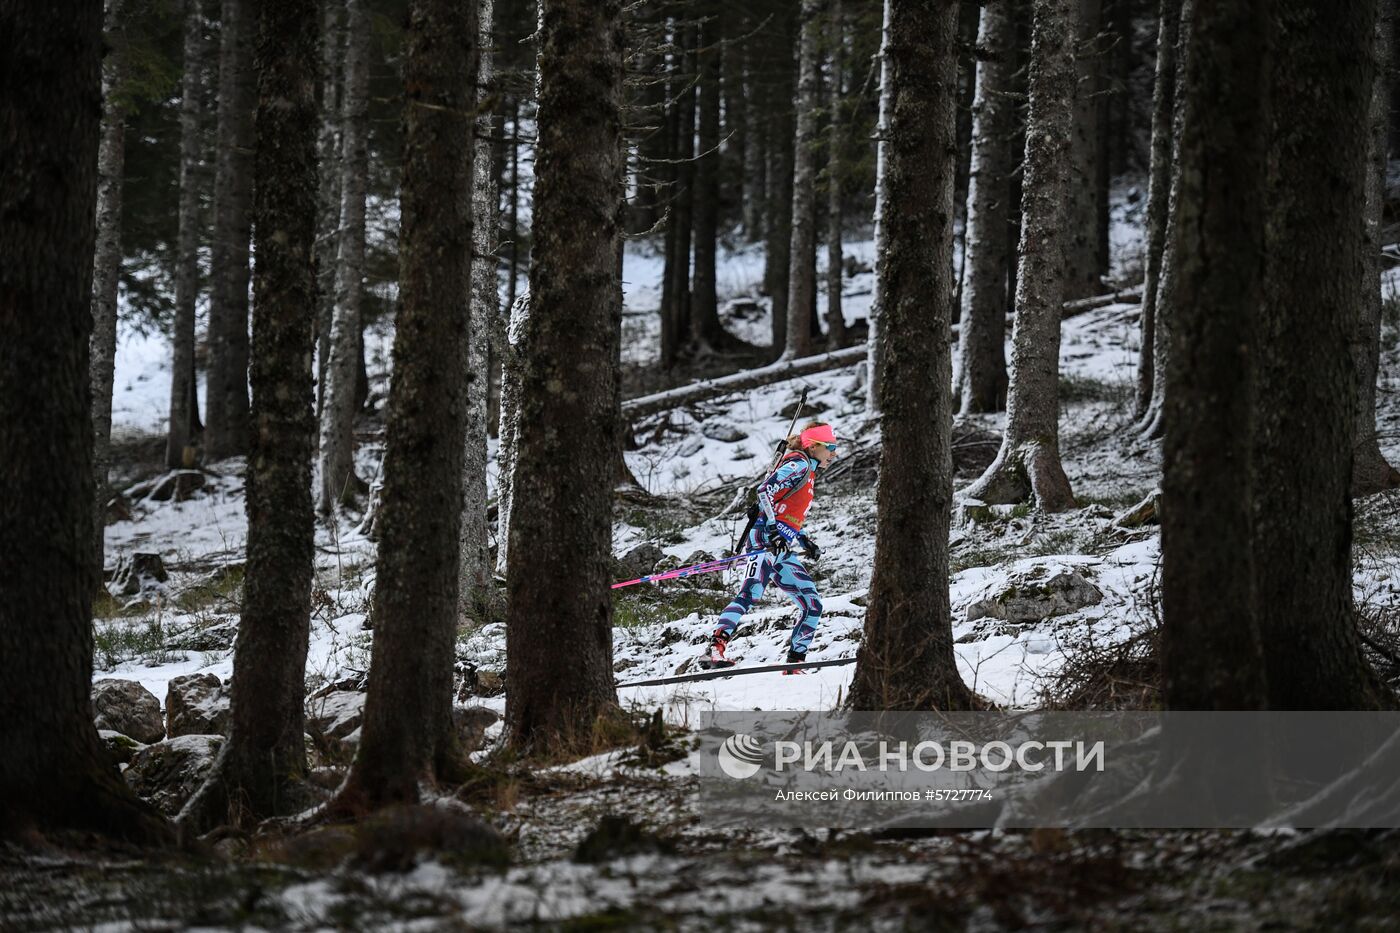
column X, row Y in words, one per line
column 818, row 440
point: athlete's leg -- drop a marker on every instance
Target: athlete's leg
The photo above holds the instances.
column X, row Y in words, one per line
column 760, row 571
column 792, row 578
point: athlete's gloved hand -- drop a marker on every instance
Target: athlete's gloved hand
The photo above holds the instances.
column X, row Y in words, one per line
column 777, row 544
column 809, row 547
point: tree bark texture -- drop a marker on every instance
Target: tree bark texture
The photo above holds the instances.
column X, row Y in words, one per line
column 906, row 656
column 755, row 152
column 107, row 269
column 1158, row 187
column 265, row 756
column 802, row 280
column 407, row 731
column 55, row 775
column 328, row 182
column 226, row 402
column 705, row 327
column 1212, row 657
column 873, row 343
column 1029, row 460
column 339, row 484
column 778, row 223
column 1164, row 307
column 1306, row 426
column 982, row 326
column 835, row 176
column 559, row 677
column 1085, row 265
column 475, row 582
column 184, row 401
column 1371, row 472
column 511, row 362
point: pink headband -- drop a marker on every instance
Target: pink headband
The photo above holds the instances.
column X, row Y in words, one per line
column 822, row 434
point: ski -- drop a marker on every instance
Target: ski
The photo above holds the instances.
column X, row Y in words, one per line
column 734, row 672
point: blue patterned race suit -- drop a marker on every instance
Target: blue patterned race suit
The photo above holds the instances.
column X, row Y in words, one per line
column 786, row 570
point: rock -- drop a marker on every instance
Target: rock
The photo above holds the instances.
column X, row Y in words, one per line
column 117, row 510
column 639, row 561
column 1146, row 512
column 137, row 573
column 1033, row 593
column 812, row 409
column 742, row 453
column 196, row 704
column 333, row 720
column 972, row 512
column 179, row 485
column 121, row 747
column 490, row 683
column 471, row 723
column 127, row 707
column 726, row 433
column 168, row 773
column 219, row 635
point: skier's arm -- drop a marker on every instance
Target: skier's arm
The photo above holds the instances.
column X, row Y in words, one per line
column 785, row 479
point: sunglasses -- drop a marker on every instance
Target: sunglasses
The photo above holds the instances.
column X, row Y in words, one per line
column 830, row 447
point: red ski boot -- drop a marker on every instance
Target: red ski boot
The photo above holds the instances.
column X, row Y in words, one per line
column 716, row 658
column 795, row 658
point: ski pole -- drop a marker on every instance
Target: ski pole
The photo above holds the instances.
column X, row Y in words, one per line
column 702, row 567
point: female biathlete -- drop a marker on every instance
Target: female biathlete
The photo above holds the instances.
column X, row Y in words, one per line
column 783, row 499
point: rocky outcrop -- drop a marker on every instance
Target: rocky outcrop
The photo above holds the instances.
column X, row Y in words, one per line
column 1031, row 593
column 168, row 773
column 127, row 707
column 471, row 723
column 121, row 748
column 333, row 721
column 136, row 573
column 196, row 704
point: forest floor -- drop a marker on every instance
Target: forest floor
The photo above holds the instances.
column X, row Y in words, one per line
column 614, row 840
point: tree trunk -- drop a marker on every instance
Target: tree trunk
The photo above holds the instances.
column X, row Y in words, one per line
column 705, row 327
column 755, row 151
column 54, row 774
column 1158, row 186
column 875, row 360
column 1306, row 389
column 226, row 402
column 513, row 276
column 835, row 178
column 778, row 223
column 511, row 362
column 734, row 138
column 107, row 269
column 802, row 285
column 1084, row 266
column 982, row 327
column 184, row 402
column 407, row 731
column 1371, row 473
column 474, row 586
column 260, row 767
column 339, row 484
column 559, row 678
column 1212, row 657
column 968, row 22
column 1029, row 460
column 1151, row 424
column 906, row 656
column 328, row 181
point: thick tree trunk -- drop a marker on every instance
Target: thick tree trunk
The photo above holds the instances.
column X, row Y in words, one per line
column 1029, row 460
column 982, row 327
column 559, row 678
column 338, row 482
column 474, row 579
column 906, row 656
column 969, row 15
column 107, row 268
column 513, row 274
column 407, row 732
column 511, row 362
column 260, row 767
column 328, row 181
column 1212, row 657
column 1371, row 472
column 1164, row 307
column 184, row 402
column 1084, row 267
column 706, row 331
column 835, row 177
column 735, row 133
column 874, row 346
column 226, row 403
column 1158, row 187
column 802, row 284
column 54, row 775
column 1306, row 425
